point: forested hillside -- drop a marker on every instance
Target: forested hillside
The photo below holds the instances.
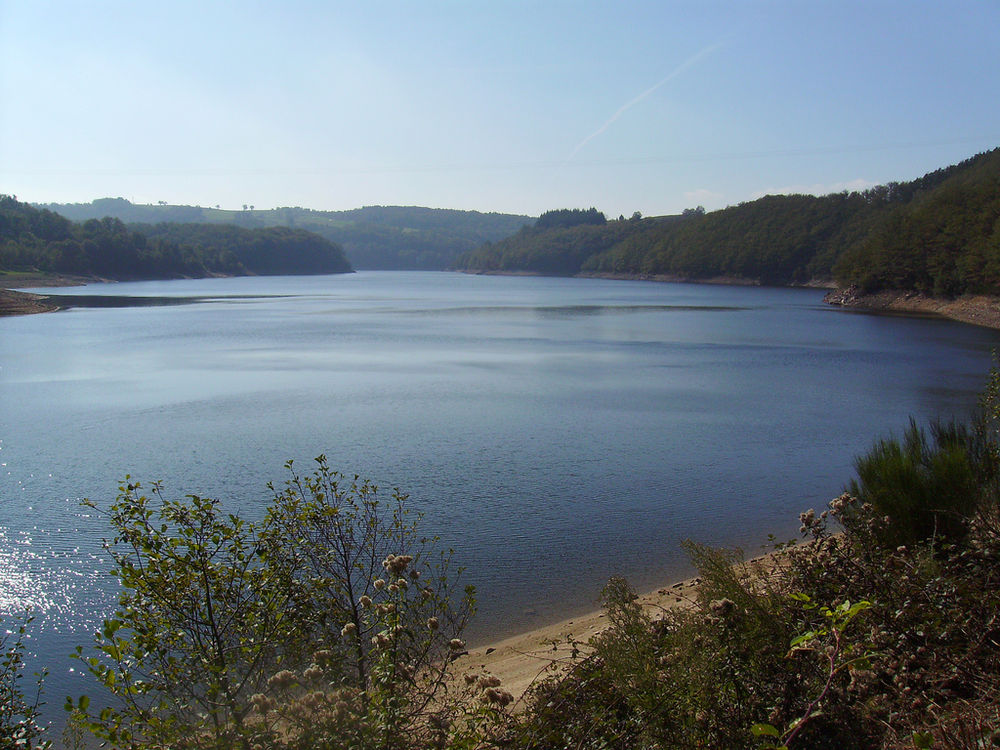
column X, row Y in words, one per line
column 943, row 241
column 34, row 239
column 938, row 234
column 265, row 251
column 373, row 237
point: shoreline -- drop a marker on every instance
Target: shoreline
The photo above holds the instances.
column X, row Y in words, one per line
column 13, row 302
column 24, row 303
column 522, row 659
column 975, row 309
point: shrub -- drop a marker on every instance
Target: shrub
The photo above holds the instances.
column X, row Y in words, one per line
column 928, row 487
column 327, row 624
column 694, row 677
column 19, row 711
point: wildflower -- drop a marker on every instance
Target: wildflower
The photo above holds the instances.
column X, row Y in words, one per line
column 348, row 630
column 283, row 679
column 497, row 696
column 396, row 564
column 488, row 681
column 315, row 699
column 263, row 703
column 456, row 644
column 366, row 601
column 379, row 584
column 403, row 584
column 314, row 672
column 839, row 504
column 433, row 623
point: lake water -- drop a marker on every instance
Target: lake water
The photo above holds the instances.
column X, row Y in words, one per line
column 555, row 432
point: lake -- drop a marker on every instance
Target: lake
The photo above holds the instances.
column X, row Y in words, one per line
column 554, row 432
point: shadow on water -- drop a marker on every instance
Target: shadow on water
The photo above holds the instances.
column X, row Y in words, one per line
column 68, row 301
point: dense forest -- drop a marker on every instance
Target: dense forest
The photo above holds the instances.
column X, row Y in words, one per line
column 34, row 239
column 939, row 234
column 373, row 237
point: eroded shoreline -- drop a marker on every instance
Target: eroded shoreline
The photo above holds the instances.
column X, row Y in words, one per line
column 975, row 309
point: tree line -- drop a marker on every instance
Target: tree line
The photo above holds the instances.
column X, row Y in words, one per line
column 41, row 240
column 939, row 234
column 373, row 237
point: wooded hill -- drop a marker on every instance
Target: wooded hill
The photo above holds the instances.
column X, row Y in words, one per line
column 939, row 234
column 34, row 239
column 373, row 237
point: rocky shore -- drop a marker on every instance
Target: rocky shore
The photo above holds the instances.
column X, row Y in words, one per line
column 24, row 303
column 979, row 309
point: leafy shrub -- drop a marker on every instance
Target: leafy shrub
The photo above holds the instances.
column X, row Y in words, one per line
column 327, row 624
column 19, row 712
column 928, row 487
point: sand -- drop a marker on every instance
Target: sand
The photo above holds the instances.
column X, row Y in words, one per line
column 521, row 659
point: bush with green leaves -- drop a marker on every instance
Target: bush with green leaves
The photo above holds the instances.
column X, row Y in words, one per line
column 841, row 642
column 19, row 709
column 329, row 623
column 381, row 602
column 927, row 483
column 696, row 676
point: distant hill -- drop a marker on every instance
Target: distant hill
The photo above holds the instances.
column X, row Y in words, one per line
column 939, row 234
column 33, row 239
column 373, row 237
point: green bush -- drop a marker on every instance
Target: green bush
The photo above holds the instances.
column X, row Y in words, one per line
column 328, row 624
column 19, row 711
column 927, row 486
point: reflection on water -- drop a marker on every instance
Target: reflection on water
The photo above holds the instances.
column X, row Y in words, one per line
column 40, row 573
column 553, row 431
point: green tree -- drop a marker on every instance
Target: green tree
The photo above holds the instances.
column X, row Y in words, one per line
column 329, row 623
column 201, row 623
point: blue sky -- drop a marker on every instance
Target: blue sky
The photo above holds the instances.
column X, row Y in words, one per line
column 495, row 106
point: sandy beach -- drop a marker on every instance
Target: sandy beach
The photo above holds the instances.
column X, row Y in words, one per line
column 521, row 659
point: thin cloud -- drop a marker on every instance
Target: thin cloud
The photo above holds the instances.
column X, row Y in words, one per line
column 631, row 103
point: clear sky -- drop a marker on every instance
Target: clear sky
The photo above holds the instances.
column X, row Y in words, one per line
column 496, row 105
